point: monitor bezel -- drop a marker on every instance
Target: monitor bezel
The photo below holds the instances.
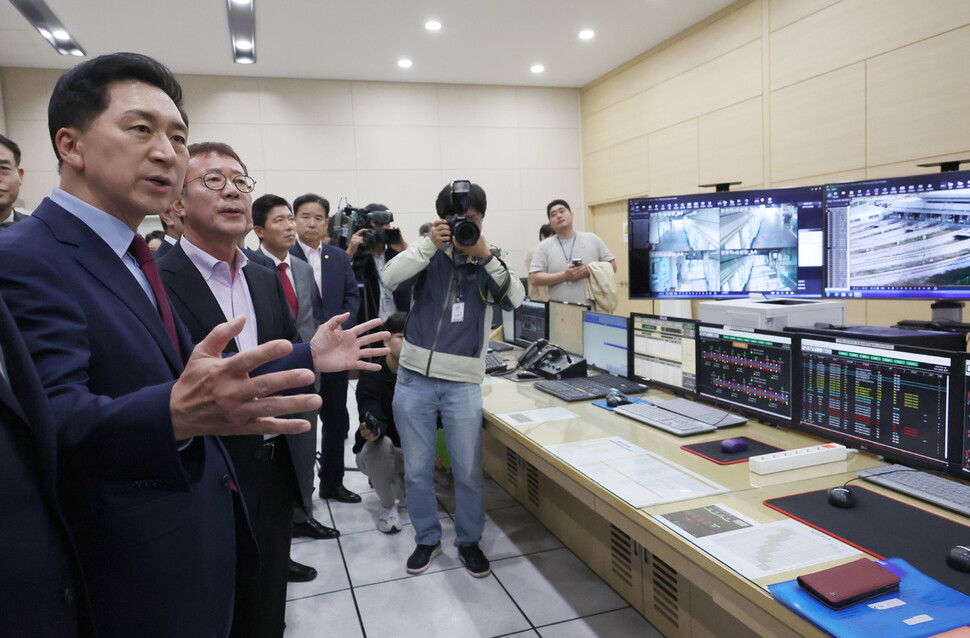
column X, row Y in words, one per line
column 627, row 337
column 631, row 369
column 522, row 343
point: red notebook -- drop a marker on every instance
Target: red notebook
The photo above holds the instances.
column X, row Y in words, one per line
column 839, row 587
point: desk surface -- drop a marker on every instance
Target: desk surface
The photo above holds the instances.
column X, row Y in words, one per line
column 746, row 490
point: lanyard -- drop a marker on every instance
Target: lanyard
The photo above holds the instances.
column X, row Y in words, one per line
column 569, row 259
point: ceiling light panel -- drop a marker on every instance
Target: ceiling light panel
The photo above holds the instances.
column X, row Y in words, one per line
column 48, row 26
column 586, row 34
column 432, row 25
column 242, row 30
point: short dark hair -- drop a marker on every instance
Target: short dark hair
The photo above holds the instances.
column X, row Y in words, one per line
column 395, row 323
column 155, row 234
column 264, row 204
column 81, row 93
column 216, row 148
column 546, row 231
column 9, row 143
column 311, row 198
column 476, row 200
column 555, row 202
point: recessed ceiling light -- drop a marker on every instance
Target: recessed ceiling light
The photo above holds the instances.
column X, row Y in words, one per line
column 243, row 60
column 40, row 16
column 61, row 34
column 77, row 52
column 240, row 2
column 586, row 34
column 45, row 33
column 404, row 63
column 538, row 68
column 244, row 45
column 432, row 25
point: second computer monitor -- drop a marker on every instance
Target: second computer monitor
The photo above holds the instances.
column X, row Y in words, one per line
column 749, row 369
column 531, row 322
column 661, row 352
column 566, row 325
column 605, row 342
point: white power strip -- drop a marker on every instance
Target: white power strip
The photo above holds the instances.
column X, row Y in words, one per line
column 793, row 459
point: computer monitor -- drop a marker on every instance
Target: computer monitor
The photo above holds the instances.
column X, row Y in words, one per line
column 727, row 244
column 748, row 369
column 905, row 237
column 893, row 400
column 531, row 322
column 661, row 351
column 508, row 326
column 605, row 342
column 566, row 325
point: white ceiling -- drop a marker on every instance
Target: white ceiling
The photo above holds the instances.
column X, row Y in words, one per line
column 483, row 42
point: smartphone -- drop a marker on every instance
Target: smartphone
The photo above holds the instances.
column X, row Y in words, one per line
column 577, row 262
column 392, row 236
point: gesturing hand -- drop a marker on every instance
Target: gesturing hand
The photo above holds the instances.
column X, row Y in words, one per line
column 215, row 395
column 336, row 349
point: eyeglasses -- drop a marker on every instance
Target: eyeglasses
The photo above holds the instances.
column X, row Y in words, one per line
column 216, row 181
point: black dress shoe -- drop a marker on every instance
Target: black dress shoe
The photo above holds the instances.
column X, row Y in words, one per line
column 300, row 573
column 341, row 494
column 314, row 529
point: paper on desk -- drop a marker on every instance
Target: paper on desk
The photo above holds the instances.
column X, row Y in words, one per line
column 762, row 550
column 490, row 380
column 538, row 415
column 632, row 473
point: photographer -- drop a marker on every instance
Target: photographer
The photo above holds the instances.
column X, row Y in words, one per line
column 458, row 277
column 374, row 243
column 377, row 445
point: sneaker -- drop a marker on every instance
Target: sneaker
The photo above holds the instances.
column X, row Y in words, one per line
column 422, row 557
column 388, row 521
column 474, row 560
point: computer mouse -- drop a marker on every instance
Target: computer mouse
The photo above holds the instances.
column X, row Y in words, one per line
column 959, row 558
column 841, row 496
column 616, row 399
column 525, row 374
column 733, row 446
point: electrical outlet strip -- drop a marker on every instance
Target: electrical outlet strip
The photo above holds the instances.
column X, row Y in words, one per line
column 793, row 459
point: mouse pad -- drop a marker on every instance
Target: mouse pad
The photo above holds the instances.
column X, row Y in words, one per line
column 601, row 403
column 885, row 528
column 711, row 450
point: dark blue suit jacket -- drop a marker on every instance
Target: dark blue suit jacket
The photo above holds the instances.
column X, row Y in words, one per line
column 155, row 526
column 340, row 293
column 41, row 592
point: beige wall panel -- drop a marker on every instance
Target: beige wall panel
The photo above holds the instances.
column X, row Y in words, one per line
column 673, row 160
column 397, row 147
column 732, row 145
column 598, row 175
column 26, row 93
column 886, row 312
column 405, row 191
column 853, row 30
column 620, row 122
column 34, row 140
column 549, row 148
column 245, row 139
column 855, row 312
column 467, row 105
column 37, row 185
column 933, row 119
column 334, row 185
column 479, row 148
column 393, row 104
column 220, row 99
column 502, row 187
column 781, row 13
column 547, row 108
column 284, row 101
column 3, row 108
column 818, row 126
column 732, row 78
column 827, row 178
column 726, row 34
column 308, row 148
column 631, row 168
column 909, row 167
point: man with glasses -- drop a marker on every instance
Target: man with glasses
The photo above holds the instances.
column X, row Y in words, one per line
column 209, row 280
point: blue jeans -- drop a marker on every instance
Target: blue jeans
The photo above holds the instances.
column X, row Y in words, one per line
column 418, row 401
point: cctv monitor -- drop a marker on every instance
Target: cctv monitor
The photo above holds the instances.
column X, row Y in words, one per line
column 530, row 322
column 661, row 351
column 904, row 237
column 605, row 342
column 727, row 244
column 566, row 325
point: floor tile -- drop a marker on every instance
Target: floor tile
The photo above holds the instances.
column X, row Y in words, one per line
column 522, row 634
column 449, row 603
column 355, row 480
column 495, row 497
column 321, row 513
column 325, row 557
column 624, row 622
column 327, row 615
column 513, row 531
column 555, row 586
column 351, row 518
column 374, row 557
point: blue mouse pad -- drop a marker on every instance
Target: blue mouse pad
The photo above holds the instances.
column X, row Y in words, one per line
column 601, row 403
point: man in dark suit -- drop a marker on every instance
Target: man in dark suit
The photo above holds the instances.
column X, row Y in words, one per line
column 172, row 224
column 339, row 294
column 149, row 497
column 209, row 280
column 40, row 592
column 11, row 178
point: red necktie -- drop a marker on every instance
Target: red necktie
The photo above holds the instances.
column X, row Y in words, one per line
column 287, row 287
column 143, row 255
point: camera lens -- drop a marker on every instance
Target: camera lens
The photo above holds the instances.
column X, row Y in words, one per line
column 465, row 232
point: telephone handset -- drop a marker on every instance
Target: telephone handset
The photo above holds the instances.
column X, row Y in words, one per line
column 532, row 353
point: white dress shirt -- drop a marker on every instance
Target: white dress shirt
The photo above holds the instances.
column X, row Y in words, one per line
column 314, row 257
column 277, row 262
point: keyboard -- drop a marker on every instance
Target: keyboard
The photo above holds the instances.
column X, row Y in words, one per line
column 704, row 413
column 499, row 346
column 663, row 420
column 577, row 389
column 618, row 383
column 927, row 487
column 494, row 363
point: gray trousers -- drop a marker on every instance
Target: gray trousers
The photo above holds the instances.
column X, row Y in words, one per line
column 383, row 464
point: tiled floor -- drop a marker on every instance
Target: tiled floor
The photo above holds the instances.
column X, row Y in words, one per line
column 537, row 586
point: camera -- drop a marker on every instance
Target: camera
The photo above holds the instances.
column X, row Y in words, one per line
column 374, row 424
column 463, row 230
column 347, row 221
